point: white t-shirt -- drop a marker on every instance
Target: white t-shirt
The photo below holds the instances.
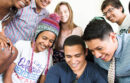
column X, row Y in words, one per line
column 21, row 72
column 125, row 26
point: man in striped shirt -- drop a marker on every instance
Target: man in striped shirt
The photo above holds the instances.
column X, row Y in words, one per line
column 23, row 26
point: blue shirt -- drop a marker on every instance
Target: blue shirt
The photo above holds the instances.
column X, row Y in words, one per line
column 61, row 73
column 23, row 26
column 122, row 58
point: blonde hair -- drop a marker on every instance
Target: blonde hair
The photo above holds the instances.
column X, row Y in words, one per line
column 70, row 22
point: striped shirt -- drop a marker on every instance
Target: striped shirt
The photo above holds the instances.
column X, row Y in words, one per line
column 122, row 58
column 23, row 25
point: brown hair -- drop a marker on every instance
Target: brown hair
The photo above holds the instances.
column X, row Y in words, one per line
column 115, row 3
column 70, row 22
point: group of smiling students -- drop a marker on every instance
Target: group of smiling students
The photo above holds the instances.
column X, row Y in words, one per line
column 38, row 47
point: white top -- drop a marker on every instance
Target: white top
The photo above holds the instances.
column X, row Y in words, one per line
column 125, row 26
column 21, row 72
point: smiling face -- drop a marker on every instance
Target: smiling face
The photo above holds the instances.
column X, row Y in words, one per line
column 113, row 14
column 63, row 13
column 42, row 4
column 44, row 41
column 75, row 57
column 103, row 49
column 20, row 3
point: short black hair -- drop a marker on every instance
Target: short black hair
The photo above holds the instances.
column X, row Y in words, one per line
column 114, row 3
column 97, row 28
column 75, row 40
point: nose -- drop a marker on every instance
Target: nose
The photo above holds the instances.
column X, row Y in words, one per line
column 97, row 54
column 73, row 60
column 46, row 43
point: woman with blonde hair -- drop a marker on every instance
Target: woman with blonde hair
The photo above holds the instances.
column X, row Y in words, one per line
column 68, row 28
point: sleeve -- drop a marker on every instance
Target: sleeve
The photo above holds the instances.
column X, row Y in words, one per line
column 53, row 75
column 101, row 75
column 18, row 46
column 77, row 31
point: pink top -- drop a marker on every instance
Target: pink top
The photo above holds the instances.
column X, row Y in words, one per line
column 76, row 31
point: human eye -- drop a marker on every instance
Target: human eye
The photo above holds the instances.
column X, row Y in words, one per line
column 51, row 41
column 67, row 56
column 99, row 48
column 44, row 37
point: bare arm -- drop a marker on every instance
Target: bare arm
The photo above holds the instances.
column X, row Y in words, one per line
column 8, row 74
column 42, row 79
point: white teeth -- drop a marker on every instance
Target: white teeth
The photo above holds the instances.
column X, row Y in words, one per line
column 74, row 65
column 22, row 3
column 43, row 47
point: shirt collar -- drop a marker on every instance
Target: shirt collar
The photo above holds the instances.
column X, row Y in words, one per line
column 117, row 53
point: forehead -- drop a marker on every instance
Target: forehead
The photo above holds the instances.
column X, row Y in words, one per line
column 63, row 7
column 107, row 7
column 48, row 34
column 94, row 43
column 73, row 50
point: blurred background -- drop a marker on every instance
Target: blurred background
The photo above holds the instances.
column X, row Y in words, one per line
column 85, row 10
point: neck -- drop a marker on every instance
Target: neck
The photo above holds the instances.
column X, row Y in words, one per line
column 64, row 26
column 121, row 19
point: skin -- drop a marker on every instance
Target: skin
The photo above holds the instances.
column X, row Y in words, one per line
column 75, row 58
column 64, row 13
column 44, row 41
column 10, row 52
column 103, row 49
column 42, row 4
column 114, row 15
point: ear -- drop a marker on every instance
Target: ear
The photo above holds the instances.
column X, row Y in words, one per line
column 86, row 54
column 121, row 9
column 113, row 36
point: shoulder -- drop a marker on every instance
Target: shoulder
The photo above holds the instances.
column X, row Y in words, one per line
column 22, row 43
column 77, row 31
column 94, row 67
column 60, row 67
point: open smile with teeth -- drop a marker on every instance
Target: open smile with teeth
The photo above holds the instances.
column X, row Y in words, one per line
column 22, row 3
column 74, row 65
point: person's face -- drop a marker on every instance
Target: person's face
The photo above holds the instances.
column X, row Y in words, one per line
column 112, row 14
column 103, row 49
column 42, row 3
column 21, row 3
column 63, row 13
column 44, row 41
column 75, row 57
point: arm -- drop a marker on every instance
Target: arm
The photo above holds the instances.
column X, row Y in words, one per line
column 7, row 56
column 8, row 74
column 42, row 79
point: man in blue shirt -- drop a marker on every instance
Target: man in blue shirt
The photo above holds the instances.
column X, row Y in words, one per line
column 76, row 69
column 105, row 44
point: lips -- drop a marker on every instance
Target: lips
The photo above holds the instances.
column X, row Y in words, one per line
column 103, row 57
